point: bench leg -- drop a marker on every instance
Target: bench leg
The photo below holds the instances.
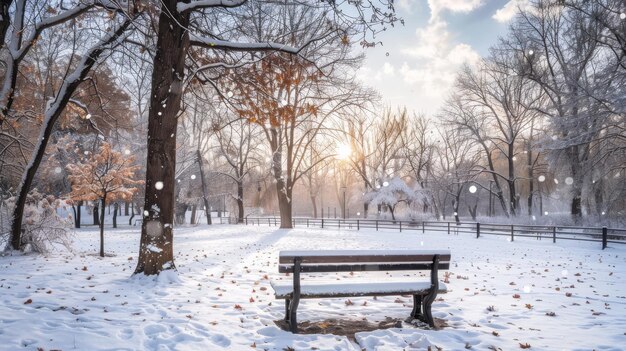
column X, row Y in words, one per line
column 428, row 301
column 417, row 307
column 293, row 320
column 287, row 310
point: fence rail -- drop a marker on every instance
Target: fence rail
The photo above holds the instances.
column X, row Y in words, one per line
column 602, row 235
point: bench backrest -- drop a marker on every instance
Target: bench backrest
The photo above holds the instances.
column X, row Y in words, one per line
column 361, row 260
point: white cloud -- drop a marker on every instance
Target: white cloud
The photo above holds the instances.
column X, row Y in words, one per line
column 436, row 61
column 405, row 5
column 437, row 6
column 388, row 69
column 509, row 10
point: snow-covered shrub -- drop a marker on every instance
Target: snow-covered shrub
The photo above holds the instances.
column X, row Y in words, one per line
column 42, row 226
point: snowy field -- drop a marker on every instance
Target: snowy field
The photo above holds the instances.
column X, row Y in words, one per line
column 564, row 296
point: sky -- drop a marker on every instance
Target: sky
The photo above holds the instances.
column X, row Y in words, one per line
column 416, row 64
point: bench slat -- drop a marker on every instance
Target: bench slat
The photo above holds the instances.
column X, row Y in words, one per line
column 330, row 290
column 288, row 268
column 348, row 256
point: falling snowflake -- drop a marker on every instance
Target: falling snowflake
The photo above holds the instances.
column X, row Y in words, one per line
column 146, row 213
column 193, row 176
column 541, row 178
column 126, row 152
column 57, row 170
column 158, row 185
column 622, row 15
column 472, row 189
column 564, row 272
column 556, row 181
column 569, row 180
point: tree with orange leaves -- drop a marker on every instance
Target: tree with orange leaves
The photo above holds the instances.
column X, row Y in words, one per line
column 102, row 176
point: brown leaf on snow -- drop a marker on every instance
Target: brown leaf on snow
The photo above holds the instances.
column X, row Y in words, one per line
column 28, row 302
column 238, row 307
column 516, row 296
column 524, row 346
column 251, row 299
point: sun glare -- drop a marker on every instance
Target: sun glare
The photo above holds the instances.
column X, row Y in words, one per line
column 343, row 151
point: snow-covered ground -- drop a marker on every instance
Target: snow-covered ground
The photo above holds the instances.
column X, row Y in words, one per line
column 564, row 296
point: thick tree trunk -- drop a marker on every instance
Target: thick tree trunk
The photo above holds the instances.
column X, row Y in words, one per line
column 52, row 114
column 116, row 208
column 126, row 207
column 284, row 205
column 156, row 250
column 240, row 202
column 102, row 209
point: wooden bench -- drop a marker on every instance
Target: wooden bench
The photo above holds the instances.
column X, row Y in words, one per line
column 424, row 292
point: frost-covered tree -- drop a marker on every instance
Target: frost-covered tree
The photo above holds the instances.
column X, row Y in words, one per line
column 392, row 193
column 106, row 175
column 78, row 68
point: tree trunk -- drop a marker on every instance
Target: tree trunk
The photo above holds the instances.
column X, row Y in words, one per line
column 96, row 214
column 205, row 195
column 192, row 220
column 52, row 114
column 513, row 200
column 531, row 180
column 598, row 196
column 116, row 207
column 314, row 203
column 284, row 205
column 156, row 250
column 126, row 207
column 76, row 223
column 240, row 202
column 102, row 209
column 79, row 208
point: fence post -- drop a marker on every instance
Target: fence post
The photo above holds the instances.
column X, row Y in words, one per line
column 400, row 226
column 376, row 225
column 246, row 220
column 512, row 232
column 604, row 237
column 293, row 222
column 307, row 222
column 274, row 221
column 477, row 230
column 448, row 228
column 339, row 224
column 269, row 222
column 358, row 227
column 553, row 234
column 322, row 222
column 423, row 228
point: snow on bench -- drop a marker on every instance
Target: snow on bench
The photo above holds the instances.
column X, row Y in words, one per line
column 305, row 261
column 318, row 290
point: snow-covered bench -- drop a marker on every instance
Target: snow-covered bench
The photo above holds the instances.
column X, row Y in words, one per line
column 297, row 262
